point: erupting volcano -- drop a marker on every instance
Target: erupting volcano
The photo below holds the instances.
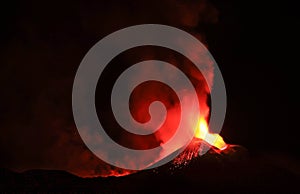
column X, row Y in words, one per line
column 202, row 142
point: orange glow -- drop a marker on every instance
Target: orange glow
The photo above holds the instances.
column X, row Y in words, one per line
column 202, row 132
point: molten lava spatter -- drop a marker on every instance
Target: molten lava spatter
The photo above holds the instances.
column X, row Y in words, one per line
column 202, row 132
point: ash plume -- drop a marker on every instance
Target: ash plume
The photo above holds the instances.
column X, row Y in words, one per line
column 46, row 48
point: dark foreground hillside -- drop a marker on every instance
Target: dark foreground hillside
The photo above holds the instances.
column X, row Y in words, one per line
column 233, row 171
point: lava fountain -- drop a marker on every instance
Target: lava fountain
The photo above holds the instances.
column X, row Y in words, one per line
column 213, row 139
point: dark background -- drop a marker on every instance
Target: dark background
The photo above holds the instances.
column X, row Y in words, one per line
column 255, row 44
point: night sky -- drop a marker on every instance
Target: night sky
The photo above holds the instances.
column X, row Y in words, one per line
column 42, row 43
